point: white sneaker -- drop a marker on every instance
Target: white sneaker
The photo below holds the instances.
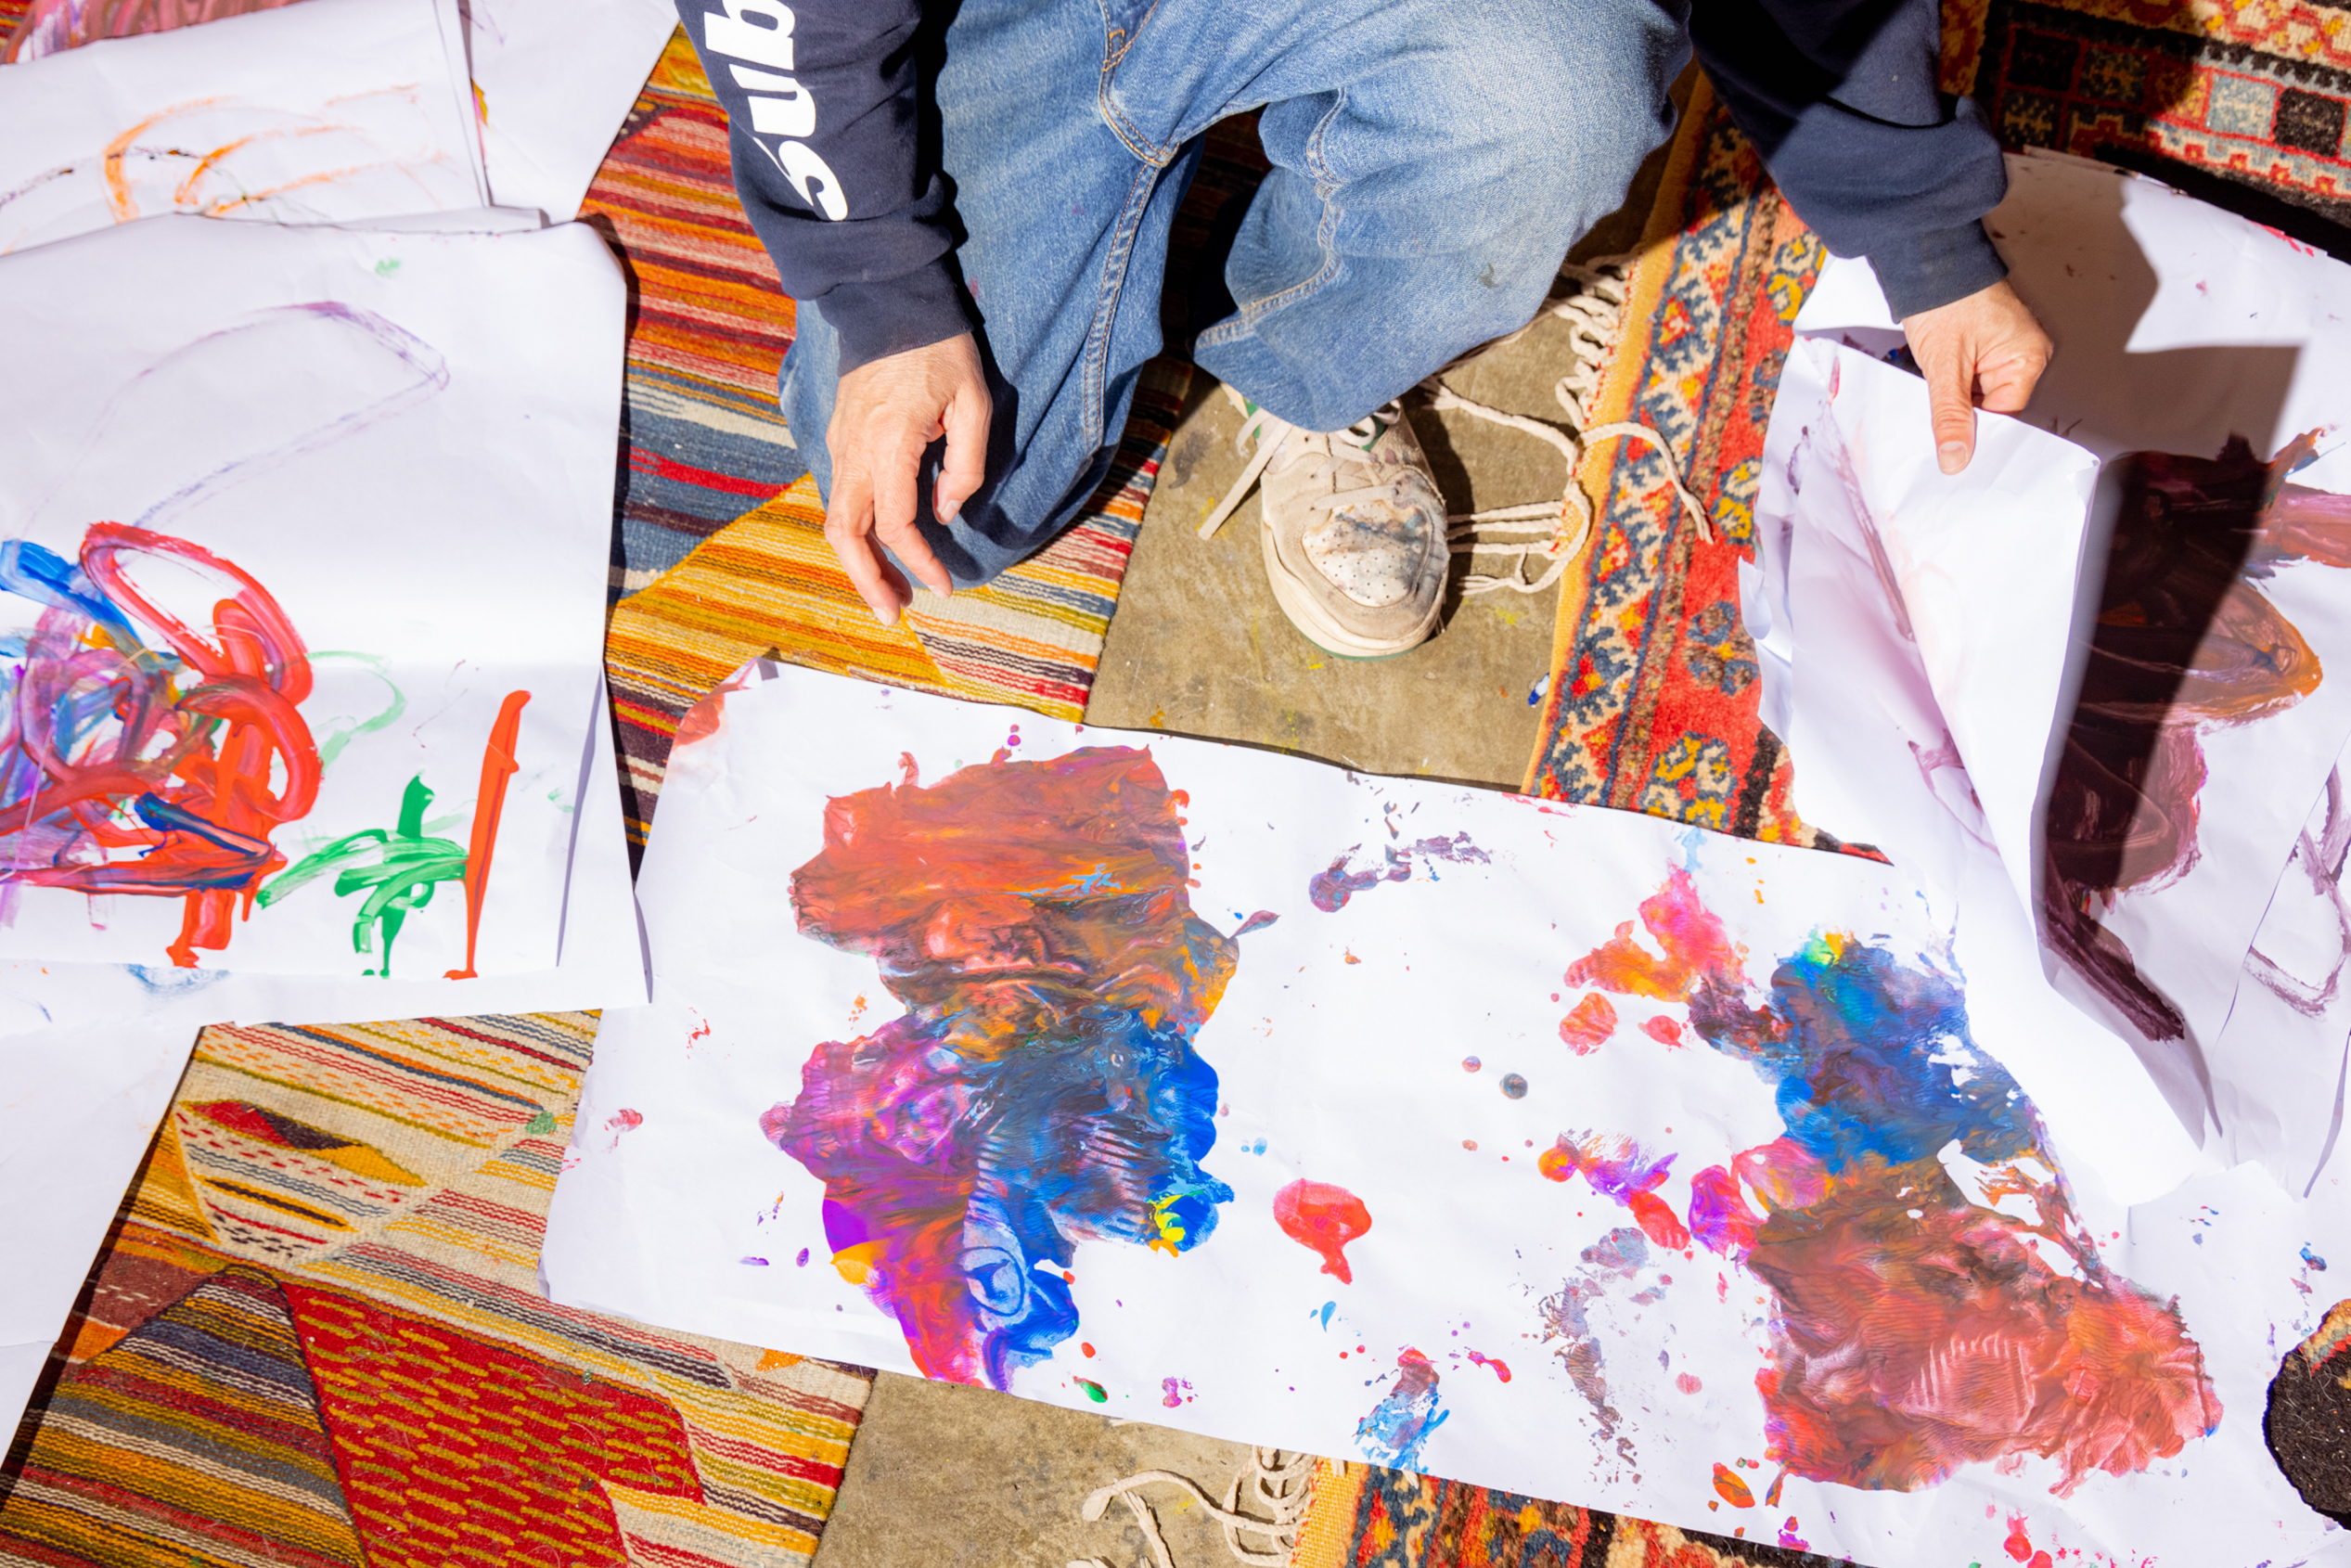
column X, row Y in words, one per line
column 1354, row 529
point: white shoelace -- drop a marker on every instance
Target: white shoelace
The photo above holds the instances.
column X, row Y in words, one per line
column 1596, row 309
column 1276, row 1482
column 1341, row 455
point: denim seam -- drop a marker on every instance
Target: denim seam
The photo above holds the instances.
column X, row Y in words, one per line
column 1098, row 338
column 1326, row 187
column 1115, row 47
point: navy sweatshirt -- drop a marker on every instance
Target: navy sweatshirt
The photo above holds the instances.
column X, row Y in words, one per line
column 1840, row 95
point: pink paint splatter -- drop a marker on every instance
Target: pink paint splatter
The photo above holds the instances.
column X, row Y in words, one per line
column 1177, row 1393
column 1664, row 1031
column 1589, row 1024
column 1789, row 1539
column 1501, row 1368
column 1323, row 1219
column 621, row 1121
column 1688, row 1384
column 1619, row 1168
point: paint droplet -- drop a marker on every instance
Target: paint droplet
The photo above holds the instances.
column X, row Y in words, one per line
column 777, row 1360
column 1501, row 1368
column 1323, row 1219
column 1514, row 1086
column 1094, row 1391
column 1175, row 1392
column 1470, row 1144
column 1471, row 1064
column 1353, row 960
column 1731, row 1489
column 1688, row 1384
column 802, row 1261
column 1664, row 1031
column 1085, row 1347
column 622, row 1121
column 756, row 1263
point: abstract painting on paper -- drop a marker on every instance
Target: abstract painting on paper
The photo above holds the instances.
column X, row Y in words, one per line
column 553, row 79
column 299, row 678
column 328, row 111
column 1564, row 1150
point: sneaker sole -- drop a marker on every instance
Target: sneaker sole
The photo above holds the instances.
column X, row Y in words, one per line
column 1319, row 627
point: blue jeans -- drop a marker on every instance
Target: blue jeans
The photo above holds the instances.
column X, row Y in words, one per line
column 1432, row 161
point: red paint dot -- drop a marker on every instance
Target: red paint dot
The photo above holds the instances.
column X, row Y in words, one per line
column 1085, row 1347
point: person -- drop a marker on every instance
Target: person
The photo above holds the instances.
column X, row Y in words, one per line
column 971, row 200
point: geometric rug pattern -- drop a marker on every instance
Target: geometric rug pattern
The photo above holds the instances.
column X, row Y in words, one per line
column 317, row 1335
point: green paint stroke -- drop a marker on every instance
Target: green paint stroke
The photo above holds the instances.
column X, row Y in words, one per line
column 331, row 746
column 1094, row 1391
column 396, row 870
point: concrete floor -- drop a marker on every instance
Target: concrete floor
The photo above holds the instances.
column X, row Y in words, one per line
column 942, row 1475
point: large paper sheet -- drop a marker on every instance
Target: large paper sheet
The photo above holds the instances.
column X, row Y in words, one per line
column 305, row 561
column 1559, row 1150
column 2194, row 356
column 556, row 80
column 553, row 79
column 600, row 962
column 326, row 111
column 78, row 1109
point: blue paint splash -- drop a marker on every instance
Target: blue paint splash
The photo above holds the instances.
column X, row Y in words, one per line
column 1402, row 1423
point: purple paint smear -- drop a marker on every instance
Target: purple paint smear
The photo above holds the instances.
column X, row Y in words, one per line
column 1332, row 889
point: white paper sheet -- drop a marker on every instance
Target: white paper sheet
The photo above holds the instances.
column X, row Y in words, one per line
column 1934, row 612
column 326, row 112
column 405, row 442
column 1410, row 1026
column 602, row 963
column 2178, row 327
column 556, row 80
column 78, row 1109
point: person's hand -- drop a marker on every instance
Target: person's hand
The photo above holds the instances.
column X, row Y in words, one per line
column 1983, row 352
column 885, row 413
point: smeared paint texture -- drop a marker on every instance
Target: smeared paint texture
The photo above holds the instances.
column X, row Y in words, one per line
column 1332, row 888
column 160, row 771
column 397, row 870
column 1567, row 1325
column 2309, row 1410
column 2185, row 642
column 1620, row 1169
column 1400, row 1425
column 1915, row 1331
column 1323, row 1219
column 1589, row 1024
column 1041, row 1088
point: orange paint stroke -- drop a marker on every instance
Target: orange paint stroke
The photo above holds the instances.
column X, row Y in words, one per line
column 489, row 803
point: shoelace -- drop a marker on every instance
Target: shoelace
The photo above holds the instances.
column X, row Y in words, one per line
column 1596, row 310
column 1276, row 1482
column 1341, row 454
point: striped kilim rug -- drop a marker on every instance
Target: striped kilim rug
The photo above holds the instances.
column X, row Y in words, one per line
column 722, row 564
column 316, row 1337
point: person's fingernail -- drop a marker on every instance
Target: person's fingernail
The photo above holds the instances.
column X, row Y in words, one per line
column 887, row 617
column 1952, row 455
column 951, row 513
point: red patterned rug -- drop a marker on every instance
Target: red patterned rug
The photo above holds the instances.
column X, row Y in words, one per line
column 1652, row 699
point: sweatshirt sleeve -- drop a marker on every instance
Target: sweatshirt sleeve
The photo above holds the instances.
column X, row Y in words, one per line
column 822, row 109
column 1840, row 97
